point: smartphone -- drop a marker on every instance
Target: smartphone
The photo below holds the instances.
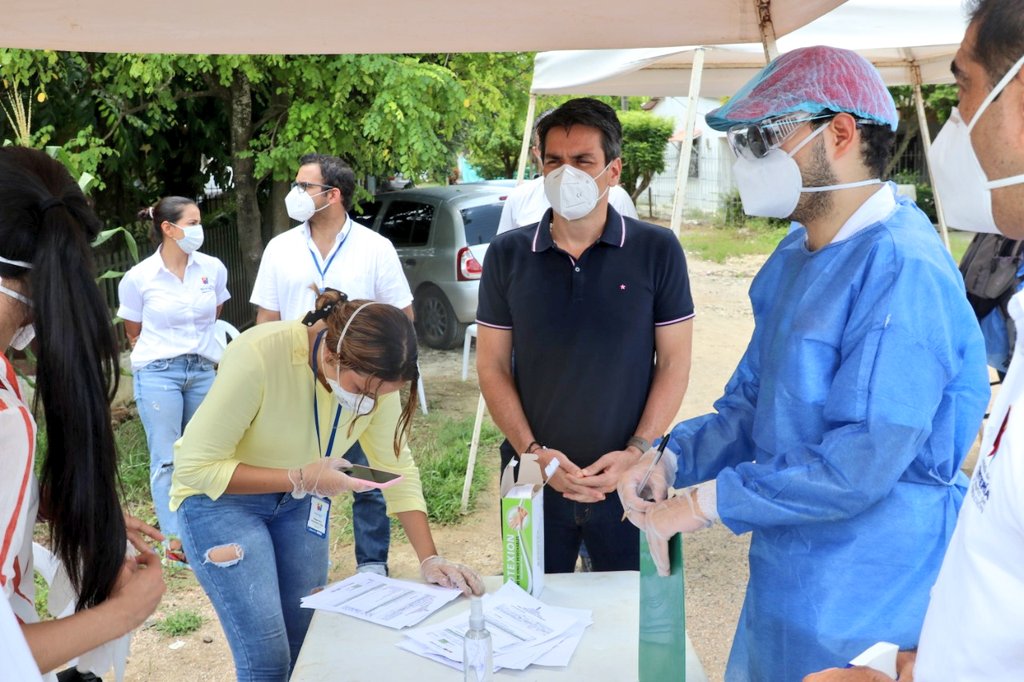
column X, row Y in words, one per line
column 375, row 478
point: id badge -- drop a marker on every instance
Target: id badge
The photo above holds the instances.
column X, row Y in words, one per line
column 319, row 514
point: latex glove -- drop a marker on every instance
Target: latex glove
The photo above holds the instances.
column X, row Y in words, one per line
column 324, row 478
column 657, row 485
column 662, row 520
column 439, row 571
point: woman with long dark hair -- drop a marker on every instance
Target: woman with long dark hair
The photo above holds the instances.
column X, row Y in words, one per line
column 48, row 290
column 169, row 303
column 253, row 469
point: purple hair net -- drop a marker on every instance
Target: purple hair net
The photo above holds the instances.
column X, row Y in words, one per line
column 811, row 80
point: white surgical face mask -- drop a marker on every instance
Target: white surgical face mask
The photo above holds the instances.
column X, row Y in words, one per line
column 25, row 333
column 964, row 191
column 770, row 187
column 353, row 402
column 572, row 193
column 300, row 206
column 193, row 238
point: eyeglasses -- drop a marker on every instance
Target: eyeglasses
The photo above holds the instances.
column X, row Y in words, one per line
column 755, row 141
column 304, row 186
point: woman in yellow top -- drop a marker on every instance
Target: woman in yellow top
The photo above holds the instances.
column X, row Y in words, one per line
column 253, row 468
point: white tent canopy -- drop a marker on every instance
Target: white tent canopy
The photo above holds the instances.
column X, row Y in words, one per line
column 892, row 35
column 910, row 42
column 261, row 26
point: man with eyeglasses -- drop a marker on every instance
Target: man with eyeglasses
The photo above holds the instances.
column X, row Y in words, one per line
column 839, row 439
column 330, row 250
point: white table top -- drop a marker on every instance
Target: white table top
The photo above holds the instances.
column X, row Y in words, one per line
column 339, row 647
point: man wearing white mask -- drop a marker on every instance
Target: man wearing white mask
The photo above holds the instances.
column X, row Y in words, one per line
column 596, row 308
column 526, row 204
column 330, row 250
column 974, row 627
column 839, row 439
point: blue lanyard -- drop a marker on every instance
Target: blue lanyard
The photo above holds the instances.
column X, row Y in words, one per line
column 316, row 411
column 327, row 265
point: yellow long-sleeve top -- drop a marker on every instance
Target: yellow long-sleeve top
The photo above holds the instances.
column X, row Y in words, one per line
column 260, row 412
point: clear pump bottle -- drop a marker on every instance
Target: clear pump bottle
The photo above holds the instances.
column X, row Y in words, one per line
column 477, row 656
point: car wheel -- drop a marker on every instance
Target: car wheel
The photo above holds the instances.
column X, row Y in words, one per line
column 436, row 321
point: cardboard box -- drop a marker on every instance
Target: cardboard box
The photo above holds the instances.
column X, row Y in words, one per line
column 522, row 525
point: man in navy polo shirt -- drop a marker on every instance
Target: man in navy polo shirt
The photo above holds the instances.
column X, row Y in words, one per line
column 596, row 309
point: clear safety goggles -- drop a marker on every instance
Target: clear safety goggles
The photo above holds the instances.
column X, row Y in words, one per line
column 755, row 141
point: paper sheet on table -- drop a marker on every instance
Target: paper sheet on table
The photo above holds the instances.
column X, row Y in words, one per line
column 523, row 631
column 385, row 601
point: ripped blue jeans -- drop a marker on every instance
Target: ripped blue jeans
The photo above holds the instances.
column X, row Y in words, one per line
column 255, row 559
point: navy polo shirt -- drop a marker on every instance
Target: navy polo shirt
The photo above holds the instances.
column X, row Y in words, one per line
column 583, row 330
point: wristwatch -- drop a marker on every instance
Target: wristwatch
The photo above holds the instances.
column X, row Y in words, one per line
column 642, row 444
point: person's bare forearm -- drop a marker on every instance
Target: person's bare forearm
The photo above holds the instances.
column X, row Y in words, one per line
column 506, row 409
column 417, row 529
column 671, row 378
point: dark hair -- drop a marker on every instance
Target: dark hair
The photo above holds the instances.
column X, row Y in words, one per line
column 380, row 342
column 167, row 209
column 46, row 220
column 585, row 111
column 335, row 173
column 999, row 39
column 877, row 142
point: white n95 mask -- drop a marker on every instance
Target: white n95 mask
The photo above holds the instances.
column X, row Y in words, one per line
column 571, row 192
column 300, row 206
column 770, row 187
column 965, row 192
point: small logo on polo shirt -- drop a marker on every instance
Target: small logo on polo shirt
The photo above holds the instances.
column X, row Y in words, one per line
column 622, row 287
column 206, row 280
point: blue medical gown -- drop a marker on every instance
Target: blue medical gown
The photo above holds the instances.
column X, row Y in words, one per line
column 838, row 443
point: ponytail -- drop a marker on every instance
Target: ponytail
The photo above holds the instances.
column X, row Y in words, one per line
column 77, row 372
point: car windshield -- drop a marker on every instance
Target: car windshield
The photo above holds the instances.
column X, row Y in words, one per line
column 481, row 222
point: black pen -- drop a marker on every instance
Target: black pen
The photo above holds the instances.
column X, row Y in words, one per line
column 650, row 470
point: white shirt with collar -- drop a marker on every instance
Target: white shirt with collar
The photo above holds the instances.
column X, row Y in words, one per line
column 527, row 203
column 362, row 264
column 177, row 316
column 974, row 627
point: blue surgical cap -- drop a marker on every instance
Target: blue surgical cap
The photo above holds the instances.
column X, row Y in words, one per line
column 810, row 80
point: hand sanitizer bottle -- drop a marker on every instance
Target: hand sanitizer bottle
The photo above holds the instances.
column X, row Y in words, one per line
column 477, row 660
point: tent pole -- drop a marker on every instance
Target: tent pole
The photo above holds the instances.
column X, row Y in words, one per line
column 926, row 140
column 524, row 151
column 474, row 444
column 764, row 21
column 686, row 146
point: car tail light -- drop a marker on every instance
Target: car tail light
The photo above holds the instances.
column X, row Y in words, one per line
column 469, row 268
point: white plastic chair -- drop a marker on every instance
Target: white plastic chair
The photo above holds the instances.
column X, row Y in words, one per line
column 224, row 331
column 470, row 335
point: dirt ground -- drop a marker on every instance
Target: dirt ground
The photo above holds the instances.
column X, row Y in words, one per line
column 716, row 563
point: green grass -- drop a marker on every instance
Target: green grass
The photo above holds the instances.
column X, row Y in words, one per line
column 718, row 244
column 179, row 623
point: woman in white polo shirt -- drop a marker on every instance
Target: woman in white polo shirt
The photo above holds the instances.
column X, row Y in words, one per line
column 169, row 304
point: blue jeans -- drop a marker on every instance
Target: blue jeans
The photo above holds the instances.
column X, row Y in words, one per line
column 272, row 562
column 167, row 393
column 371, row 526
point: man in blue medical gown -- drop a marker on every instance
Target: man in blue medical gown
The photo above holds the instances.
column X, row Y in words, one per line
column 839, row 439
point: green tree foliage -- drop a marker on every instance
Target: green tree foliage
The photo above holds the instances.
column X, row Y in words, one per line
column 644, row 137
column 496, row 87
